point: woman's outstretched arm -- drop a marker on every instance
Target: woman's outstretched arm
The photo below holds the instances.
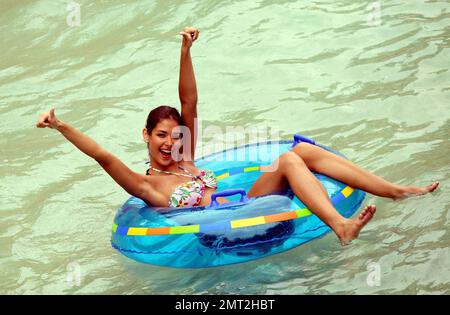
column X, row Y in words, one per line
column 187, row 90
column 134, row 183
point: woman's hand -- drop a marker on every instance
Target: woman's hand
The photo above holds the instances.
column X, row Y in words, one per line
column 190, row 35
column 48, row 120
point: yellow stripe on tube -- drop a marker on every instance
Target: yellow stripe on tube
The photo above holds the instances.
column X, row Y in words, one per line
column 247, row 222
column 347, row 191
column 222, row 176
column 251, row 169
column 137, row 231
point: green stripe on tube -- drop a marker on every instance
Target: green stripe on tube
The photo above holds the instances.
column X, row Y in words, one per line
column 185, row 229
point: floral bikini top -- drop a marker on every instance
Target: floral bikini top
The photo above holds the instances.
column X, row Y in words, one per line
column 191, row 193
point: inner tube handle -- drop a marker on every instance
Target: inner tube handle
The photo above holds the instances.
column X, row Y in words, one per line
column 301, row 138
column 228, row 192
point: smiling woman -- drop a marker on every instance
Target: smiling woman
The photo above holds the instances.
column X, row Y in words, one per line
column 169, row 168
column 162, row 131
column 233, row 232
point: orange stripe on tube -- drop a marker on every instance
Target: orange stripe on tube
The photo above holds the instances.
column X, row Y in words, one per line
column 281, row 217
column 158, row 231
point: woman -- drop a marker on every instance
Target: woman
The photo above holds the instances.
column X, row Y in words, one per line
column 173, row 180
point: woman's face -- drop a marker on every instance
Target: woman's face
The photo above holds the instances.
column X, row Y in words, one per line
column 164, row 142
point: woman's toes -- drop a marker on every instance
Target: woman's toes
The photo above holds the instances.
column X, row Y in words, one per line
column 363, row 212
column 367, row 214
column 417, row 191
column 433, row 186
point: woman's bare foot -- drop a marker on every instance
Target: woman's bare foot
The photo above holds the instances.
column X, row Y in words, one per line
column 406, row 192
column 352, row 227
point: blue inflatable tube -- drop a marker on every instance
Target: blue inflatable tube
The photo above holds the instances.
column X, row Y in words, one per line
column 241, row 230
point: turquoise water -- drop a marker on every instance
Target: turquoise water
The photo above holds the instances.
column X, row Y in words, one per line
column 372, row 83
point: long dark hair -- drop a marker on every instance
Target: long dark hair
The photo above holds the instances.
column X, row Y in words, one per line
column 160, row 113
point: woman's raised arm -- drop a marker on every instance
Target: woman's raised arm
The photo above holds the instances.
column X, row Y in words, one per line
column 135, row 184
column 187, row 89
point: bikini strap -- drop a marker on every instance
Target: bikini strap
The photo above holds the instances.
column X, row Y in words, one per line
column 173, row 173
column 188, row 174
column 192, row 175
column 209, row 181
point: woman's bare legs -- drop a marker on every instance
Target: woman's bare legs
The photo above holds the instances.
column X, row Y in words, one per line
column 327, row 163
column 292, row 171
